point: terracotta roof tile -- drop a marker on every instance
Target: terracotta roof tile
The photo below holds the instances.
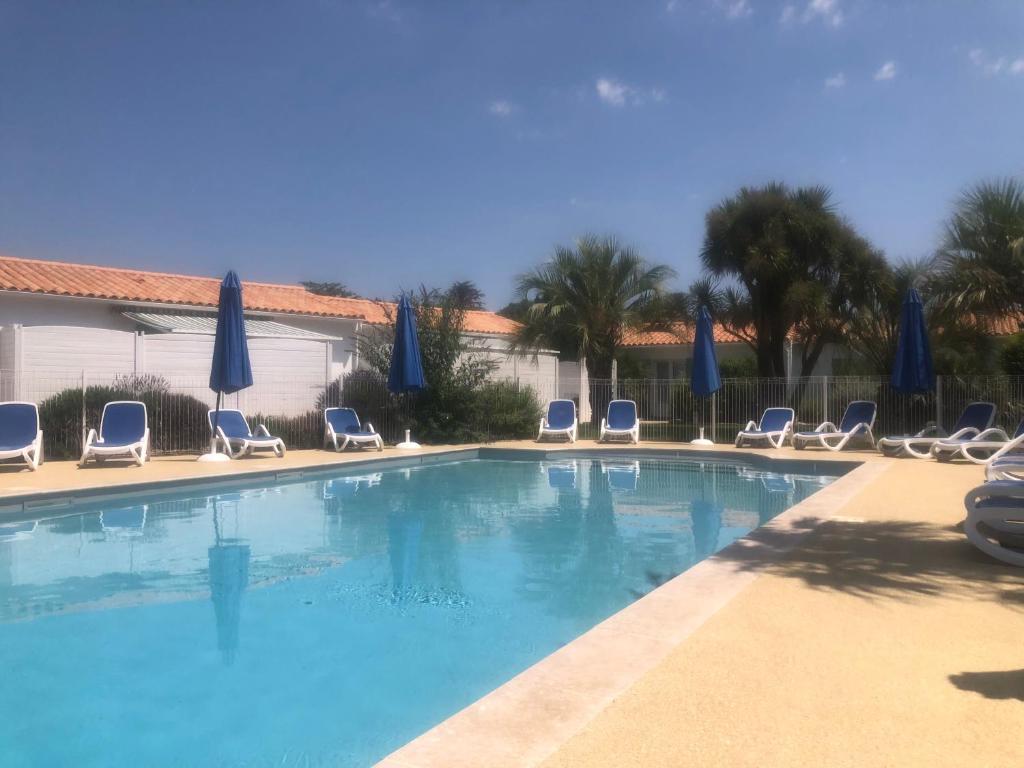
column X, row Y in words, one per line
column 679, row 333
column 117, row 284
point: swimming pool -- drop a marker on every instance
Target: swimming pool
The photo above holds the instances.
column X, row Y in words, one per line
column 327, row 622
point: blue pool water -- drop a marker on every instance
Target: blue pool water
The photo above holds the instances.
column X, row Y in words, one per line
column 328, row 622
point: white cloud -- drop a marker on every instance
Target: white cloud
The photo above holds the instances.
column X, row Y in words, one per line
column 616, row 93
column 837, row 80
column 991, row 66
column 734, row 9
column 385, row 9
column 501, row 108
column 612, row 91
column 825, row 11
column 887, row 71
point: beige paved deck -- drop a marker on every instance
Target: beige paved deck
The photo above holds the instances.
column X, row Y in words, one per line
column 882, row 639
column 877, row 638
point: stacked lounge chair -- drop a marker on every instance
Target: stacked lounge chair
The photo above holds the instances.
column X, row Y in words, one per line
column 984, row 448
column 976, row 418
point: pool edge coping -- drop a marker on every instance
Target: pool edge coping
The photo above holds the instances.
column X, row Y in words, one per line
column 529, row 717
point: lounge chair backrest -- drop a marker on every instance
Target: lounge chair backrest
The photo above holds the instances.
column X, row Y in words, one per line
column 775, row 419
column 129, row 518
column 562, row 476
column 123, row 421
column 343, row 420
column 621, row 414
column 231, row 422
column 977, row 415
column 1020, row 429
column 561, row 414
column 858, row 412
column 19, row 424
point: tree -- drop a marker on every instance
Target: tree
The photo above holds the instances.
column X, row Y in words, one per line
column 329, row 289
column 795, row 266
column 981, row 260
column 466, row 295
column 586, row 297
column 959, row 343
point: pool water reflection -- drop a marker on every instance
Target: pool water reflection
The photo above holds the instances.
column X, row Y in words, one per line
column 328, row 622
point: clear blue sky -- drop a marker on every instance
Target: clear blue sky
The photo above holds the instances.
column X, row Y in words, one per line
column 389, row 143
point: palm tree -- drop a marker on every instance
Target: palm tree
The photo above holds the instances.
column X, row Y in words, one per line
column 981, row 261
column 586, row 297
column 795, row 264
column 465, row 294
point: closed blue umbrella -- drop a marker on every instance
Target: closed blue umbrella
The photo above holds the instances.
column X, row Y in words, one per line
column 912, row 371
column 704, row 378
column 231, row 370
column 406, row 373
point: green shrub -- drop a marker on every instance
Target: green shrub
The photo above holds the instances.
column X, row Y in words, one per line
column 1011, row 356
column 506, row 411
column 177, row 422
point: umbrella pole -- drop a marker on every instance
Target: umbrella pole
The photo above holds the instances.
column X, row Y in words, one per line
column 213, row 455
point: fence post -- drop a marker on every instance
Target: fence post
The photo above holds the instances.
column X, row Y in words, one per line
column 938, row 402
column 824, row 398
column 714, row 400
column 84, row 435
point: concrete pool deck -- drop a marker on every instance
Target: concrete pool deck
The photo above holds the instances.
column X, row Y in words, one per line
column 862, row 629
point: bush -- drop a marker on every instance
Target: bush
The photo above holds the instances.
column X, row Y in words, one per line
column 506, row 411
column 177, row 422
column 1011, row 356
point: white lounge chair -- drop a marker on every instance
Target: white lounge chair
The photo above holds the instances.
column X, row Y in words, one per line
column 984, row 448
column 342, row 428
column 1005, row 468
column 20, row 436
column 622, row 476
column 621, row 422
column 976, row 418
column 560, row 419
column 995, row 520
column 124, row 431
column 238, row 440
column 775, row 426
column 857, row 422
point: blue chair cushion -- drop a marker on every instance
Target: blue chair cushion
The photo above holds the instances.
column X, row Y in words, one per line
column 857, row 412
column 774, row 419
column 561, row 414
column 19, row 425
column 977, row 415
column 621, row 414
column 232, row 423
column 123, row 423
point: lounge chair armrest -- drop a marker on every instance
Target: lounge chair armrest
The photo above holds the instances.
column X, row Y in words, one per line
column 92, row 437
column 966, row 432
column 1012, row 446
column 263, row 431
column 369, row 427
column 993, row 433
column 827, row 426
column 604, row 423
column 750, row 425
